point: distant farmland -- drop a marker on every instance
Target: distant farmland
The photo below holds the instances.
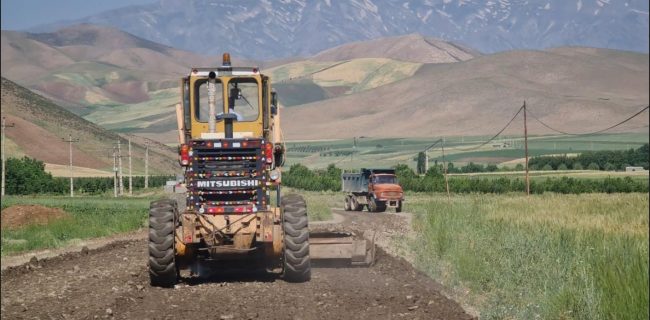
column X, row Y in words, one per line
column 387, row 152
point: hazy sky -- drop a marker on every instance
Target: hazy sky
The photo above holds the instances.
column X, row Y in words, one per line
column 23, row 14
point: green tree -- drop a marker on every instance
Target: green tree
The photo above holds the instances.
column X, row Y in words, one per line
column 609, row 167
column 593, row 166
column 28, row 176
column 562, row 166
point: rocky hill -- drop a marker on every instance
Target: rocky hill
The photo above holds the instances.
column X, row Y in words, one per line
column 269, row 29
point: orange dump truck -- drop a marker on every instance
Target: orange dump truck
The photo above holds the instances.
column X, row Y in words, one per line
column 377, row 189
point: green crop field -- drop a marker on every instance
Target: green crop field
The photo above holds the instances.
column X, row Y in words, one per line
column 91, row 217
column 100, row 216
column 387, row 152
column 546, row 256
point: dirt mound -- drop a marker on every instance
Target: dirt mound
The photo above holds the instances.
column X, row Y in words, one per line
column 21, row 215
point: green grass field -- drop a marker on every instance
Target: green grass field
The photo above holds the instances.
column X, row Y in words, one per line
column 547, row 256
column 387, row 152
column 101, row 216
column 92, row 217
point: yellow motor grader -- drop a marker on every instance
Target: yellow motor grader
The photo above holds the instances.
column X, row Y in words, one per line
column 231, row 150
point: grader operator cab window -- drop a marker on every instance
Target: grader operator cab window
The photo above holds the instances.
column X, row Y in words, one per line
column 243, row 99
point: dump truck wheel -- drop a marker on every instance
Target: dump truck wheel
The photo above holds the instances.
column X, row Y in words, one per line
column 297, row 265
column 399, row 207
column 376, row 206
column 347, row 206
column 355, row 205
column 162, row 223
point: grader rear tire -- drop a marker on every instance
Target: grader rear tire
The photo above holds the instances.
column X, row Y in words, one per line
column 162, row 223
column 296, row 262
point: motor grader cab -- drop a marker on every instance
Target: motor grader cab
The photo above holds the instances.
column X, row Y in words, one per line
column 231, row 150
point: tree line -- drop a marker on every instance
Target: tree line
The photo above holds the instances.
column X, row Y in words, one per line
column 26, row 176
column 329, row 179
column 595, row 160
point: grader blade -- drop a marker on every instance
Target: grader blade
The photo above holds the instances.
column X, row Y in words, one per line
column 341, row 249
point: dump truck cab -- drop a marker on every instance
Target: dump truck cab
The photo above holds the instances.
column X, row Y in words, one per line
column 384, row 187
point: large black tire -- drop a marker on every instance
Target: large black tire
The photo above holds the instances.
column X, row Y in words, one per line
column 296, row 262
column 355, row 205
column 399, row 207
column 162, row 263
column 376, row 206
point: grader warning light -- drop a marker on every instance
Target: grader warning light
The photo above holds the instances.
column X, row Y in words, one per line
column 226, row 60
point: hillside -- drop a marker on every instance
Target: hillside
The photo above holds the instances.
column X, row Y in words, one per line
column 409, row 48
column 272, row 29
column 575, row 89
column 87, row 68
column 41, row 127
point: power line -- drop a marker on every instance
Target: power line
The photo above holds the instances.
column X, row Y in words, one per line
column 493, row 137
column 588, row 133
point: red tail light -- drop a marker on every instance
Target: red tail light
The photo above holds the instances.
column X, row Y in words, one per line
column 185, row 155
column 268, row 152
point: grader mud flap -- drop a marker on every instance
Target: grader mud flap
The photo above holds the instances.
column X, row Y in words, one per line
column 341, row 249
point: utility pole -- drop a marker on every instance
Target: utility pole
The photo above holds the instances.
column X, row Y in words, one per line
column 444, row 165
column 526, row 150
column 426, row 162
column 130, row 172
column 70, row 141
column 114, row 173
column 119, row 166
column 4, row 126
column 146, row 166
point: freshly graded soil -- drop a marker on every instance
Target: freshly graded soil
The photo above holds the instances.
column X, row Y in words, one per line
column 113, row 282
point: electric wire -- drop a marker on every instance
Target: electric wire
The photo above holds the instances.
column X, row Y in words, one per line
column 588, row 133
column 493, row 137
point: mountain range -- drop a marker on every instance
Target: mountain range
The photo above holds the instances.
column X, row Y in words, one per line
column 403, row 86
column 271, row 29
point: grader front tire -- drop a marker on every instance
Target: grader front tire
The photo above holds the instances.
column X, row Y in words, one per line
column 296, row 262
column 162, row 223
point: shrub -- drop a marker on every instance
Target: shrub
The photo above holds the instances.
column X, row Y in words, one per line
column 593, row 166
column 562, row 166
column 609, row 167
column 577, row 166
column 547, row 167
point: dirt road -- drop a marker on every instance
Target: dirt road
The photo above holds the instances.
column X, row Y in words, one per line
column 112, row 282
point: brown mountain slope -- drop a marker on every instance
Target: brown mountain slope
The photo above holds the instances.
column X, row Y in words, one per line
column 574, row 89
column 41, row 126
column 411, row 48
column 81, row 65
